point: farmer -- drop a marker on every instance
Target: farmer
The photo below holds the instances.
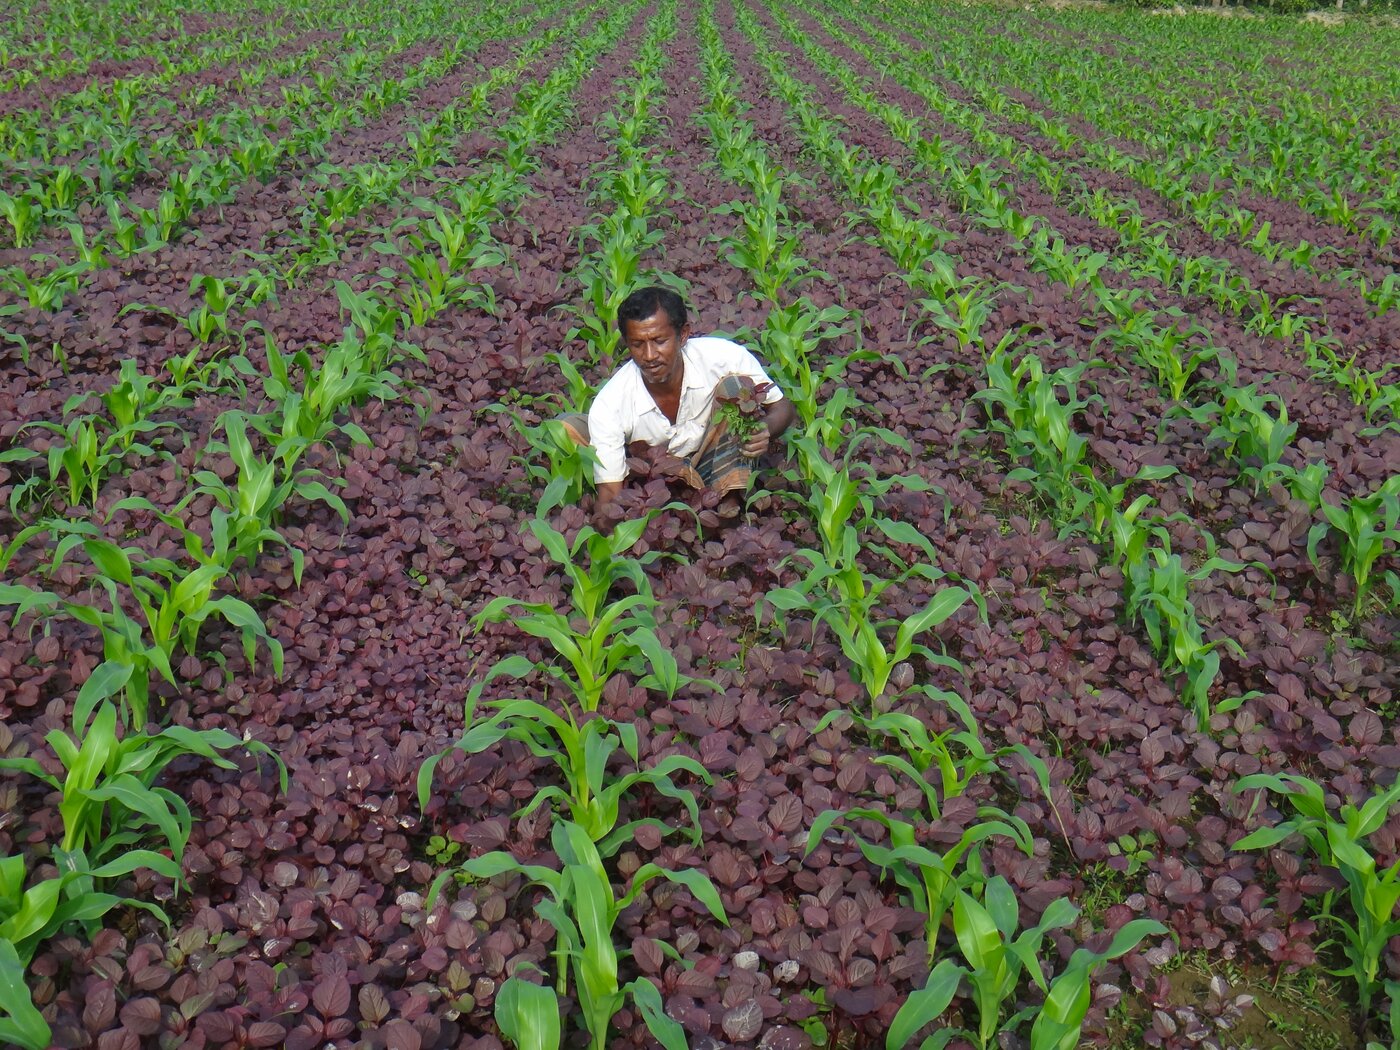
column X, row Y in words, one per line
column 666, row 394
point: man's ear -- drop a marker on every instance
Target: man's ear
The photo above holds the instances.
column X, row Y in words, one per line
column 684, row 335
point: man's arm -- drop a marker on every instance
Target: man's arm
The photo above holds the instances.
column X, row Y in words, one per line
column 776, row 419
column 609, row 439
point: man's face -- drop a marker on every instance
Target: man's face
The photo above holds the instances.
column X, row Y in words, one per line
column 656, row 347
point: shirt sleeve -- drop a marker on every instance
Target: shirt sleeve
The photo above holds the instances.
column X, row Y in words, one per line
column 609, row 440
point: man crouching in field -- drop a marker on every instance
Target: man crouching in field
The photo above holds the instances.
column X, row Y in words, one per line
column 706, row 399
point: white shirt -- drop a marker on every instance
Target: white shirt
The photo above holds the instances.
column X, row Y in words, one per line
column 624, row 411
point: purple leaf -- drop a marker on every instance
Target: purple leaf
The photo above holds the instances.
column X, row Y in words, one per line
column 332, row 996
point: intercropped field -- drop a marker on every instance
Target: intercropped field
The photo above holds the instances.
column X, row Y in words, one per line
column 1040, row 694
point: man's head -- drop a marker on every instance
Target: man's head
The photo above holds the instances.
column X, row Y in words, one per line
column 644, row 302
column 654, row 327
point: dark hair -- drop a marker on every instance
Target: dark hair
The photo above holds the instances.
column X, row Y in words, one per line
column 644, row 302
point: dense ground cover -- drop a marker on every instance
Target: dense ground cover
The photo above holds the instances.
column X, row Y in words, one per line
column 1066, row 618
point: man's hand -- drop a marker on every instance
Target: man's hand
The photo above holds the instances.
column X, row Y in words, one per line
column 776, row 419
column 607, row 492
column 758, row 442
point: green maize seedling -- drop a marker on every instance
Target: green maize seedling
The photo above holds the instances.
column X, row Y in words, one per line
column 247, row 512
column 1371, row 892
column 923, row 750
column 592, row 796
column 559, row 463
column 1254, row 437
column 110, row 803
column 997, row 956
column 613, row 636
column 1025, row 406
column 28, row 917
column 583, row 909
column 1365, row 526
column 1158, row 596
column 930, row 879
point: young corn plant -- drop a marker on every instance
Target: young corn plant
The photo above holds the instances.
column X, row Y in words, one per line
column 375, row 321
column 558, row 463
column 1364, row 526
column 592, row 797
column 931, row 879
column 1100, row 514
column 1366, row 388
column 209, row 320
column 963, row 310
column 583, row 908
column 609, row 276
column 246, row 513
column 790, row 339
column 596, row 638
column 764, row 247
column 30, row 916
column 175, row 601
column 23, row 215
column 1254, row 437
column 1158, row 595
column 109, row 803
column 1025, row 405
column 843, row 599
column 48, row 291
column 1342, row 844
column 997, row 956
column 308, row 398
column 87, row 452
column 1169, row 354
column 1307, row 485
column 839, row 501
column 133, row 401
column 956, row 754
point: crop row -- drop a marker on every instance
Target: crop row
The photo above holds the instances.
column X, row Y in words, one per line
column 1301, row 151
column 200, row 173
column 1189, row 185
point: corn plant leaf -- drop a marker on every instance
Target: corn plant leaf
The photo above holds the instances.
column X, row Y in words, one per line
column 906, row 533
column 551, row 540
column 925, row 1006
column 594, row 910
column 30, row 766
column 940, row 607
column 665, row 673
column 33, row 914
column 697, row 882
column 668, row 1033
column 150, row 804
column 317, row 491
column 107, row 680
column 25, row 599
column 1001, row 905
column 243, row 616
column 1061, row 1017
column 528, row 1014
column 112, row 561
column 21, row 1024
